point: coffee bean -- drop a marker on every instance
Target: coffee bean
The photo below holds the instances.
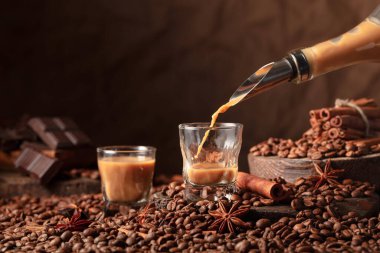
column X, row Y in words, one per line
column 66, row 235
column 267, row 202
column 298, row 227
column 130, row 241
column 99, row 239
column 195, row 231
column 89, row 232
column 263, row 223
column 338, row 198
column 299, row 181
column 55, row 242
column 257, row 204
column 369, row 193
column 242, row 246
column 316, row 155
column 182, row 245
column 356, row 194
column 246, row 196
column 352, row 214
column 346, row 234
column 235, row 197
column 171, row 206
column 297, row 204
column 291, row 237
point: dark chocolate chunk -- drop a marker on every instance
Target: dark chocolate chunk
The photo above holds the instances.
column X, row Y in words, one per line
column 56, row 139
column 42, row 124
column 38, row 165
column 25, row 159
column 11, row 139
column 38, row 146
column 59, row 132
column 79, row 157
column 78, row 137
column 65, row 124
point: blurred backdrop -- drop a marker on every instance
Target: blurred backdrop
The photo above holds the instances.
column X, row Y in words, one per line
column 128, row 72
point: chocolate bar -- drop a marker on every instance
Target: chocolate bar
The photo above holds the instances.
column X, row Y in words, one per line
column 59, row 132
column 11, row 139
column 65, row 124
column 38, row 165
column 78, row 157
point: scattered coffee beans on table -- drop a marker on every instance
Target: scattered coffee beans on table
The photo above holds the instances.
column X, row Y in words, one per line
column 171, row 224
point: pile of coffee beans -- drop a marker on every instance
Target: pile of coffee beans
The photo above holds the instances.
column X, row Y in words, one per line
column 305, row 195
column 171, row 224
column 312, row 148
column 326, row 138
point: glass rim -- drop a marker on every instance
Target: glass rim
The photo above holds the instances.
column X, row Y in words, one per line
column 126, row 149
column 206, row 125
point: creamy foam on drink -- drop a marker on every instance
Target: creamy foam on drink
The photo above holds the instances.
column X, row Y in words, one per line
column 211, row 173
column 215, row 116
column 126, row 179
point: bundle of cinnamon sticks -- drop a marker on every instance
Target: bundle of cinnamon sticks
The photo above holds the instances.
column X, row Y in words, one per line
column 334, row 132
column 344, row 122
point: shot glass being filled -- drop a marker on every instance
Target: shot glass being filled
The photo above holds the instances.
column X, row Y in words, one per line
column 210, row 172
column 126, row 173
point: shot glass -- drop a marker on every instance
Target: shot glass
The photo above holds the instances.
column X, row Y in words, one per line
column 126, row 173
column 212, row 173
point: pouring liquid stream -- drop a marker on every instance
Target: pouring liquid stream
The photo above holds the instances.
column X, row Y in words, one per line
column 215, row 116
column 360, row 44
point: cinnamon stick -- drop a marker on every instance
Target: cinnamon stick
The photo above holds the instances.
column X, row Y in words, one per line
column 315, row 122
column 337, row 121
column 365, row 102
column 333, row 133
column 350, row 134
column 261, row 186
column 366, row 142
column 324, row 135
column 308, row 133
column 315, row 114
column 326, row 126
column 347, row 121
column 327, row 113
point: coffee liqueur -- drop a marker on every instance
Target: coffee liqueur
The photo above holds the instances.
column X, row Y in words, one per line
column 126, row 179
column 211, row 174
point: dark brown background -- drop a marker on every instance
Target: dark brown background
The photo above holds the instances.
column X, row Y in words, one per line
column 130, row 71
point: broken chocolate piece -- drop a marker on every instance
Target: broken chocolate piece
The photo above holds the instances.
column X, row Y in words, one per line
column 42, row 125
column 78, row 157
column 38, row 165
column 65, row 124
column 11, row 139
column 77, row 137
column 59, row 132
column 56, row 139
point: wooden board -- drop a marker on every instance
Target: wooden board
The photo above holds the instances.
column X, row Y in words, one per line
column 365, row 207
column 13, row 183
column 366, row 168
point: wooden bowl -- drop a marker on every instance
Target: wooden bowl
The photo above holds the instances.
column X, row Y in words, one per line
column 365, row 168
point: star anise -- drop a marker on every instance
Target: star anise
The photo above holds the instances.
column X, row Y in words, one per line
column 77, row 222
column 328, row 174
column 228, row 219
column 149, row 208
